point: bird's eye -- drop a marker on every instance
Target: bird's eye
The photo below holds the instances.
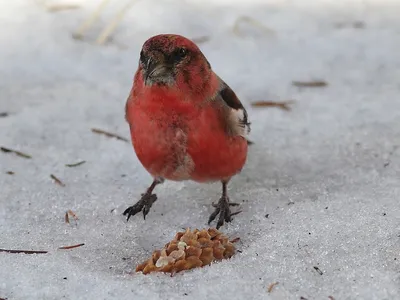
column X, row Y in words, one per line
column 178, row 55
column 182, row 52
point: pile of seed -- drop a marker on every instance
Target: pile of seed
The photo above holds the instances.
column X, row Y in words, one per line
column 188, row 250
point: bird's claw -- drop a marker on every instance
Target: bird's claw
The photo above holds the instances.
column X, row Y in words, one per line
column 144, row 204
column 230, row 204
column 224, row 211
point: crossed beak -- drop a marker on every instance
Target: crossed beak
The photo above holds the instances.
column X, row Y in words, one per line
column 155, row 69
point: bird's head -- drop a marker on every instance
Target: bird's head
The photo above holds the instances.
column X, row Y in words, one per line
column 169, row 59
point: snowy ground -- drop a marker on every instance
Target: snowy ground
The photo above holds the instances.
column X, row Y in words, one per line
column 326, row 172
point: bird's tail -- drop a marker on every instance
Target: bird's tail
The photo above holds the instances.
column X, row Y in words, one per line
column 249, row 142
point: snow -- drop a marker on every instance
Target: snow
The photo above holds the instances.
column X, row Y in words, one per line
column 326, row 172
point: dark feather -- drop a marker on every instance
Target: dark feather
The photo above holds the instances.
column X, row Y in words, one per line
column 249, row 142
column 230, row 99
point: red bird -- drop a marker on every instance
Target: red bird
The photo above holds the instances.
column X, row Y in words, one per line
column 185, row 122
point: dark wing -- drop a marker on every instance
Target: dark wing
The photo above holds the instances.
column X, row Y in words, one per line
column 234, row 112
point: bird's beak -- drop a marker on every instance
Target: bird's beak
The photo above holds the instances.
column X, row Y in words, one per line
column 150, row 65
column 155, row 69
column 148, row 69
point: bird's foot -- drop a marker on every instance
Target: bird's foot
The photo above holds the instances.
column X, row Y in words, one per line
column 224, row 211
column 230, row 204
column 144, row 204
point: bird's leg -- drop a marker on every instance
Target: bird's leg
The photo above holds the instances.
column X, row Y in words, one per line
column 145, row 203
column 222, row 208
